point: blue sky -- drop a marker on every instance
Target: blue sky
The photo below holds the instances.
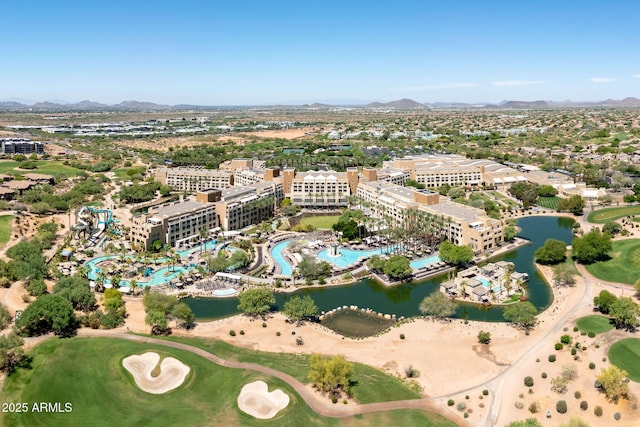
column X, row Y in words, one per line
column 245, row 52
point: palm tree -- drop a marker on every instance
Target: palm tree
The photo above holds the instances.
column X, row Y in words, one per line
column 100, row 279
column 133, row 284
column 203, row 232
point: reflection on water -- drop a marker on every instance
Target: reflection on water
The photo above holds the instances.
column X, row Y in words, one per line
column 403, row 300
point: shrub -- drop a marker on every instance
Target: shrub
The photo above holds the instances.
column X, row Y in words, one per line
column 293, row 332
column 241, row 332
column 484, row 337
column 450, row 402
column 591, row 334
column 543, row 375
column 534, row 407
column 461, row 406
column 401, row 336
column 558, row 346
column 565, row 339
column 617, row 416
column 411, row 372
column 334, row 399
column 467, row 397
column 538, row 360
column 597, row 411
column 561, row 407
column 466, row 415
column 577, row 394
column 573, row 351
column 232, row 333
column 575, row 329
column 481, row 405
column 485, row 392
column 519, row 405
column 528, row 381
column 592, row 365
column 521, row 395
column 278, row 334
column 552, row 358
column 584, row 405
column 604, row 359
column 264, row 324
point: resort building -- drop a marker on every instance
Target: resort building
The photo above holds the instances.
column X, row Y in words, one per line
column 244, row 177
column 194, row 179
column 320, row 189
column 436, row 170
column 174, row 223
column 231, row 208
column 493, row 282
column 460, row 224
column 235, row 164
column 393, row 175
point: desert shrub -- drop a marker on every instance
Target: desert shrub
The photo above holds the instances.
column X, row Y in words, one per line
column 450, row 402
column 592, row 365
column 278, row 334
column 569, row 372
column 573, row 351
column 401, row 336
column 264, row 324
column 584, row 405
column 293, row 332
column 617, row 416
column 575, row 329
column 466, row 415
column 485, row 392
column 519, row 405
column 461, row 406
column 561, row 407
column 334, row 399
column 543, row 375
column 597, row 411
column 558, row 346
column 604, row 359
column 467, row 397
column 577, row 394
column 528, row 381
column 534, row 407
column 521, row 395
column 411, row 372
column 241, row 332
column 552, row 358
column 481, row 405
column 597, row 345
column 565, row 339
column 591, row 334
column 232, row 333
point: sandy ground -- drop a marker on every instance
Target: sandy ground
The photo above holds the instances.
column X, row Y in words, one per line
column 172, row 372
column 283, row 134
column 256, row 400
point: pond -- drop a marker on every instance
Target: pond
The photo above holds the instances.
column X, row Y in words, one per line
column 403, row 300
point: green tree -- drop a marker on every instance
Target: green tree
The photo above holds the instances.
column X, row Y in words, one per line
column 11, row 352
column 521, row 314
column 397, row 267
column 593, row 246
column 332, row 375
column 552, row 252
column 256, row 302
column 5, row 317
column 611, row 228
column 510, row 232
column 77, row 291
column 377, row 264
column 158, row 322
column 438, row 305
column 456, row 255
column 564, row 274
column 310, row 268
column 298, row 308
column 625, row 313
column 604, row 301
column 48, row 313
column 484, row 337
column 184, row 315
column 614, row 382
column 529, row 422
column 574, row 204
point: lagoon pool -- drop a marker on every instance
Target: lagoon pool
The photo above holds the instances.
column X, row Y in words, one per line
column 423, row 262
column 276, row 253
column 349, row 256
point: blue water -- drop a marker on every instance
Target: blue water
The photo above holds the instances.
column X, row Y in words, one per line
column 349, row 256
column 404, row 299
column 276, row 253
column 158, row 277
column 208, row 245
column 423, row 262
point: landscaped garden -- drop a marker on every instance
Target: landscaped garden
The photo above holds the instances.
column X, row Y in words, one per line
column 594, row 324
column 208, row 395
column 624, row 265
column 625, row 354
column 323, row 222
column 601, row 216
column 549, row 202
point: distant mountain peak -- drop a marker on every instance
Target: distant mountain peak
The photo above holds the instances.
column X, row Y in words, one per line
column 401, row 104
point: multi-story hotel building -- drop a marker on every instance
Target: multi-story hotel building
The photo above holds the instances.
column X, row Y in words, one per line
column 320, row 189
column 461, row 224
column 240, row 207
column 194, row 179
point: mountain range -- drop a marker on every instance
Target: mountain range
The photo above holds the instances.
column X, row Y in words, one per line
column 401, row 104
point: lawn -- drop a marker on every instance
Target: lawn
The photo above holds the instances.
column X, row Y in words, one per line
column 323, row 222
column 601, row 216
column 624, row 265
column 373, row 384
column 125, row 174
column 625, row 354
column 48, row 167
column 549, row 202
column 5, row 229
column 595, row 323
column 208, row 397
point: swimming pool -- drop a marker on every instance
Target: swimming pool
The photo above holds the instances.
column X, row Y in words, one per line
column 349, row 256
column 423, row 262
column 158, row 277
column 225, row 293
column 276, row 253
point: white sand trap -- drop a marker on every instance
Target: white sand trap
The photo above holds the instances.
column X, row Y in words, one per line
column 255, row 400
column 172, row 372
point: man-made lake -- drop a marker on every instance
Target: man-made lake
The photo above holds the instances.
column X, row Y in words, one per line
column 403, row 300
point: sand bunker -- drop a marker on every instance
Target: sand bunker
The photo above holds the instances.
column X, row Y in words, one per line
column 172, row 372
column 255, row 400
